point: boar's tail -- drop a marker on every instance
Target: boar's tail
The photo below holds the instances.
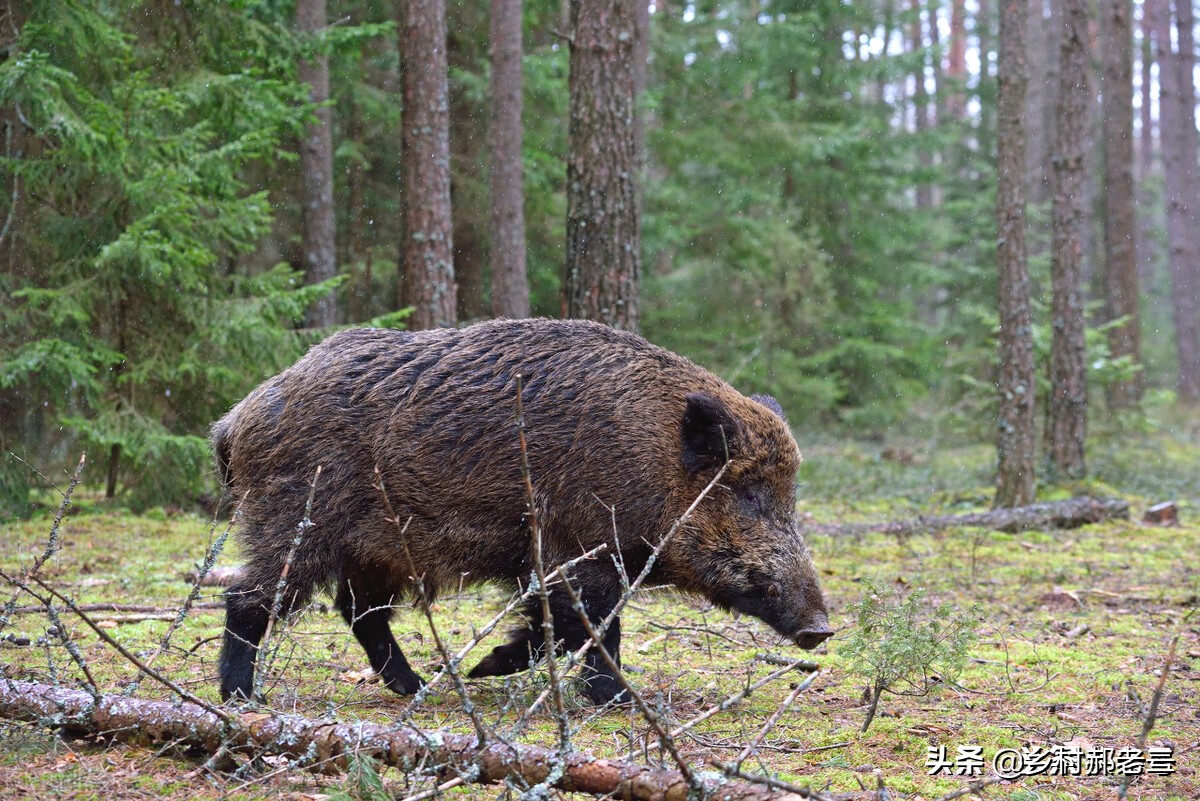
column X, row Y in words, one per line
column 222, row 445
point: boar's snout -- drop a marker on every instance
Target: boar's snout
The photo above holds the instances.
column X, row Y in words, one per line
column 816, row 633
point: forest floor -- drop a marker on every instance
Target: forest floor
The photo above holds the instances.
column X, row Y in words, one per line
column 1073, row 631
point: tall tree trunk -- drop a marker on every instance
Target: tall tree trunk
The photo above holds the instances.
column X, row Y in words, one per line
column 641, row 59
column 604, row 259
column 1176, row 110
column 1039, row 96
column 937, row 110
column 921, row 105
column 468, row 142
column 354, row 246
column 1146, row 250
column 1015, row 429
column 428, row 242
column 1189, row 363
column 987, row 108
column 510, row 283
column 1120, row 256
column 1093, row 162
column 316, row 168
column 1066, row 423
column 956, row 60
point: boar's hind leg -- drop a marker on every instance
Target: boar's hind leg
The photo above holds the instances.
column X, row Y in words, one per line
column 366, row 605
column 247, row 611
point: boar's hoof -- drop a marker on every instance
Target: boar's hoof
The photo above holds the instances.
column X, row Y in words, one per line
column 402, row 682
column 603, row 689
column 512, row 657
column 811, row 638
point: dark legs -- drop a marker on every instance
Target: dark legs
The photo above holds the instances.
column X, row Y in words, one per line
column 247, row 611
column 368, row 612
column 527, row 644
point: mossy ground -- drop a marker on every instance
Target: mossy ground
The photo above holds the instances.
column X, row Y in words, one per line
column 1075, row 628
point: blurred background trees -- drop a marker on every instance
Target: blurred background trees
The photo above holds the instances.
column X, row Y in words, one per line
column 799, row 195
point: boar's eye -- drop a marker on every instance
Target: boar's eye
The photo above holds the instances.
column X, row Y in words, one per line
column 774, row 590
column 752, row 498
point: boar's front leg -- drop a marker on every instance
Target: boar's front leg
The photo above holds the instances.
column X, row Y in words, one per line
column 597, row 589
column 524, row 647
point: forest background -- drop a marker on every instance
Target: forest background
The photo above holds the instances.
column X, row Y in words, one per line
column 193, row 193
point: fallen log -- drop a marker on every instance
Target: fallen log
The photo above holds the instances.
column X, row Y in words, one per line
column 1055, row 514
column 330, row 745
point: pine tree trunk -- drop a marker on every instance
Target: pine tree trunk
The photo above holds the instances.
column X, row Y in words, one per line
column 1039, row 97
column 1146, row 244
column 428, row 243
column 984, row 18
column 604, row 260
column 641, row 59
column 1015, row 428
column 316, row 168
column 1066, row 424
column 1176, row 104
column 510, row 283
column 924, row 194
column 1120, row 256
column 956, row 60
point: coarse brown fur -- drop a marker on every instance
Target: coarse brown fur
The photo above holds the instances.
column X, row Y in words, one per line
column 615, row 426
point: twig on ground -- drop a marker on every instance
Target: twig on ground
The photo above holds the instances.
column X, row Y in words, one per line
column 753, row 745
column 1152, row 712
column 975, row 787
column 776, row 784
column 154, row 612
column 738, row 696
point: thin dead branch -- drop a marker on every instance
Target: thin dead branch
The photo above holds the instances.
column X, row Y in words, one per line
column 1152, row 712
column 535, row 530
column 53, row 543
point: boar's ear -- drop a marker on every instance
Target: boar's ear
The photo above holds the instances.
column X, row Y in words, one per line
column 770, row 403
column 709, row 433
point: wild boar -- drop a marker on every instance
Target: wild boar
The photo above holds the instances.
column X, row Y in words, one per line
column 614, row 425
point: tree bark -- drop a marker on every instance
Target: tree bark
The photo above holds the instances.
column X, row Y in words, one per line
column 1066, row 412
column 921, row 105
column 956, row 61
column 333, row 744
column 1039, row 108
column 641, row 64
column 1177, row 135
column 316, row 168
column 1120, row 256
column 1015, row 427
column 510, row 282
column 428, row 243
column 604, row 260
